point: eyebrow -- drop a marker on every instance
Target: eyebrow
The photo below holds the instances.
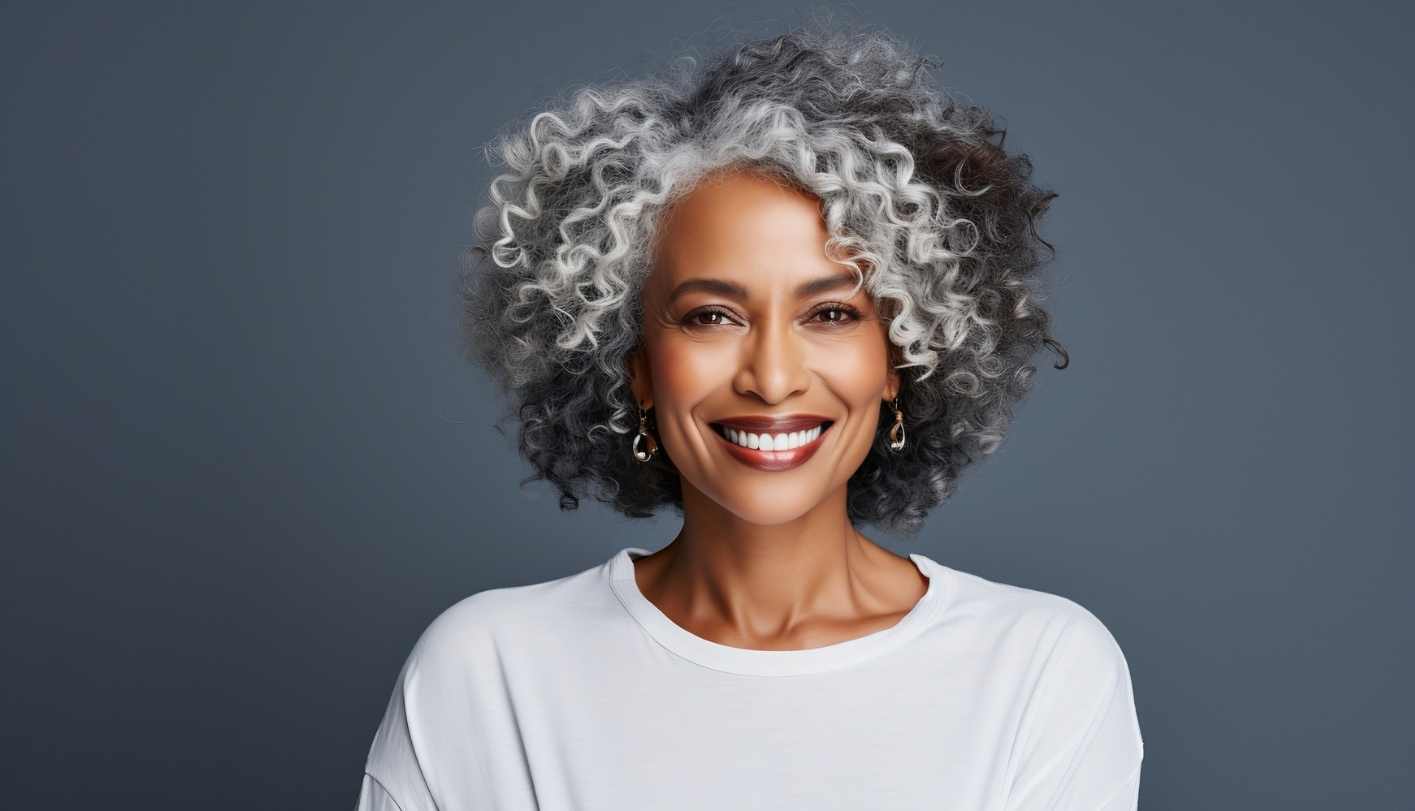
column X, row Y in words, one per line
column 736, row 291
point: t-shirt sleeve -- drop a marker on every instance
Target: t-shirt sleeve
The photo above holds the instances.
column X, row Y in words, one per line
column 374, row 797
column 394, row 779
column 1079, row 746
column 438, row 738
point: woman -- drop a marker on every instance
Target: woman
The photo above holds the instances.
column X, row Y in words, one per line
column 788, row 295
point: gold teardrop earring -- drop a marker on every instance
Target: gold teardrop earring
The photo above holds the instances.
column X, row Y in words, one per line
column 645, row 437
column 896, row 431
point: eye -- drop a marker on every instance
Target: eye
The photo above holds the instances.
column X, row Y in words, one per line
column 836, row 314
column 841, row 314
column 708, row 317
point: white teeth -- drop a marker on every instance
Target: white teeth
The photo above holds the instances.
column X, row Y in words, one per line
column 774, row 442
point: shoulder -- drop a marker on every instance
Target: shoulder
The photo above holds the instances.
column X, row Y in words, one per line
column 474, row 629
column 1045, row 638
column 1080, row 660
column 1076, row 733
column 1072, row 677
column 449, row 702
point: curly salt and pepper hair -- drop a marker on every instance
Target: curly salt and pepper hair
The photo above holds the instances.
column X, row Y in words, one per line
column 938, row 221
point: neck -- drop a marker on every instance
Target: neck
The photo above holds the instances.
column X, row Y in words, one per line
column 743, row 581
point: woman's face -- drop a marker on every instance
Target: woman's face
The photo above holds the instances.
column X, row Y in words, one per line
column 748, row 321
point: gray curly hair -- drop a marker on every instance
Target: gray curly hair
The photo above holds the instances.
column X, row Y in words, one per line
column 915, row 185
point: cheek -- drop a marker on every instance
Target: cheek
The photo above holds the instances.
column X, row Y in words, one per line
column 855, row 370
column 685, row 371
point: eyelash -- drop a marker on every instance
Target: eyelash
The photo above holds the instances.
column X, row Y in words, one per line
column 853, row 312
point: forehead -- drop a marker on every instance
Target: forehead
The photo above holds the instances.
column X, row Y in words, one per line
column 746, row 227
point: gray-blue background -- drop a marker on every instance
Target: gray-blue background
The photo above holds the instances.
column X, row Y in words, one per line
column 244, row 464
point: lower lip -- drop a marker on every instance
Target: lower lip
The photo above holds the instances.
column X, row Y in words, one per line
column 773, row 460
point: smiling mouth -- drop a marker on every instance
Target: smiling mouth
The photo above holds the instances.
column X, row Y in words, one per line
column 779, row 451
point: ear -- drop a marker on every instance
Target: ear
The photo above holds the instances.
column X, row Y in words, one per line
column 640, row 381
column 894, row 381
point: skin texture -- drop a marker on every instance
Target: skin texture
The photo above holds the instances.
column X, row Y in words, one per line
column 764, row 560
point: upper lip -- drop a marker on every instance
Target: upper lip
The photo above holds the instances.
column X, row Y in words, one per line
column 761, row 423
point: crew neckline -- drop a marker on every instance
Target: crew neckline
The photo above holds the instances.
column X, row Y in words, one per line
column 749, row 661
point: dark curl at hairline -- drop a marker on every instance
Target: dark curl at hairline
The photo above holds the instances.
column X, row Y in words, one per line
column 937, row 218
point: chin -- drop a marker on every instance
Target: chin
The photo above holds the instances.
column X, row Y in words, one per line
column 770, row 507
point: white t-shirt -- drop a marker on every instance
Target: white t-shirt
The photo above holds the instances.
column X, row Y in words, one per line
column 579, row 693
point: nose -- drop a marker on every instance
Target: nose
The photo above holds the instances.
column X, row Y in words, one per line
column 773, row 363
